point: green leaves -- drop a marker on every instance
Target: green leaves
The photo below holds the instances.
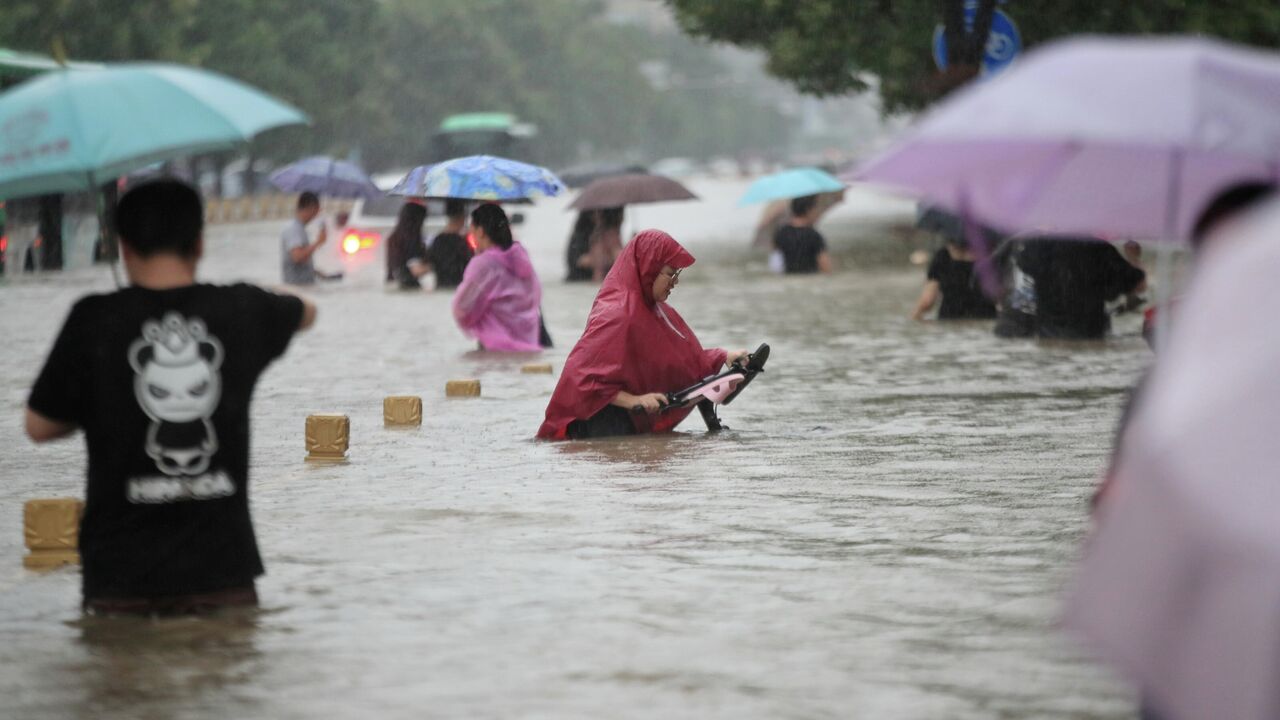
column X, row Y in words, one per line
column 824, row 46
column 379, row 75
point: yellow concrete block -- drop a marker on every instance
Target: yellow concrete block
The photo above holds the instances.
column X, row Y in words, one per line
column 51, row 530
column 537, row 369
column 402, row 410
column 328, row 437
column 462, row 388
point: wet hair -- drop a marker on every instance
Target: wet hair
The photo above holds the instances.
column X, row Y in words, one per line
column 585, row 223
column 404, row 236
column 454, row 208
column 494, row 221
column 307, row 200
column 1234, row 199
column 611, row 217
column 161, row 216
column 409, row 221
column 802, row 205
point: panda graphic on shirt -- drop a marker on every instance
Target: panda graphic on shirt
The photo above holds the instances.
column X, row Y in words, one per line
column 178, row 385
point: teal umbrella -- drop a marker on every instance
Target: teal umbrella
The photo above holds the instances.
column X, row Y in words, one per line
column 73, row 130
column 793, row 183
column 15, row 66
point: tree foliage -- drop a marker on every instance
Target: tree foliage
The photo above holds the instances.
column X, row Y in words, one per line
column 554, row 64
column 828, row 47
column 377, row 76
column 99, row 29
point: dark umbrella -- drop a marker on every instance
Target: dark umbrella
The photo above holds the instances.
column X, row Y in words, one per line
column 325, row 176
column 632, row 189
column 950, row 226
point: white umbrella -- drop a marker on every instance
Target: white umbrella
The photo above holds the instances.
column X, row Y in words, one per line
column 1180, row 587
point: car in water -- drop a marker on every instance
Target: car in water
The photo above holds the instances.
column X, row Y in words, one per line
column 357, row 246
column 358, row 241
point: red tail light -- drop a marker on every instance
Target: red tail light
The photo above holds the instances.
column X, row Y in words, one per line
column 355, row 241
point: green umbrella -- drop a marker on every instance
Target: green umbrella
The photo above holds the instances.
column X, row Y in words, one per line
column 73, row 130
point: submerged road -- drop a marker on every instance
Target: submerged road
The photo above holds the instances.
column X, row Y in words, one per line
column 884, row 533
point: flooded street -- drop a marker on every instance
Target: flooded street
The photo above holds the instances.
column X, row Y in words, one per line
column 883, row 533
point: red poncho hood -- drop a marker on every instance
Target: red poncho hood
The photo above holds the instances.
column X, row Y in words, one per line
column 631, row 343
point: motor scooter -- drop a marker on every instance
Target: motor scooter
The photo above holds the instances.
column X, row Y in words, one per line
column 715, row 390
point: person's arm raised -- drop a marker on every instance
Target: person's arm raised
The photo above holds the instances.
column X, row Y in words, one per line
column 300, row 254
column 308, row 313
column 308, row 306
column 42, row 429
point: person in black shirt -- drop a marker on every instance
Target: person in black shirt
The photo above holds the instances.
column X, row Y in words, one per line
column 159, row 376
column 406, row 255
column 578, row 253
column 449, row 252
column 1074, row 279
column 951, row 279
column 802, row 247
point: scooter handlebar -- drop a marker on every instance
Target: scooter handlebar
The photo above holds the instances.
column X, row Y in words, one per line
column 670, row 404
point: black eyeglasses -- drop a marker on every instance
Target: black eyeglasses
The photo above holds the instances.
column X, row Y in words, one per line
column 674, row 275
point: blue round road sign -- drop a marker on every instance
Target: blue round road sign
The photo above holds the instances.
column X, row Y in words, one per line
column 1004, row 43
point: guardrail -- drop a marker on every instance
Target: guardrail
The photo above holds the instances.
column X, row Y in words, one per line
column 253, row 208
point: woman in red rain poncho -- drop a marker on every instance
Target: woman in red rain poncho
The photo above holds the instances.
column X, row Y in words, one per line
column 636, row 348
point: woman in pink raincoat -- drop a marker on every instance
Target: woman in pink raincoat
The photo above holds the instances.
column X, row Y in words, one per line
column 498, row 300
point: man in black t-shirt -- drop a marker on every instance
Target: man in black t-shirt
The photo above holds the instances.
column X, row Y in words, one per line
column 951, row 279
column 159, row 375
column 1074, row 279
column 449, row 252
column 802, row 247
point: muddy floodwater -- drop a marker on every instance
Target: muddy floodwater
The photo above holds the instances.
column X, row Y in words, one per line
column 884, row 532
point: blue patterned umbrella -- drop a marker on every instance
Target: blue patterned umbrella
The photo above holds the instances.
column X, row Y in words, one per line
column 325, row 176
column 479, row 177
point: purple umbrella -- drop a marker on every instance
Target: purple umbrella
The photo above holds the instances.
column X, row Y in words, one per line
column 1108, row 137
column 630, row 189
column 325, row 176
